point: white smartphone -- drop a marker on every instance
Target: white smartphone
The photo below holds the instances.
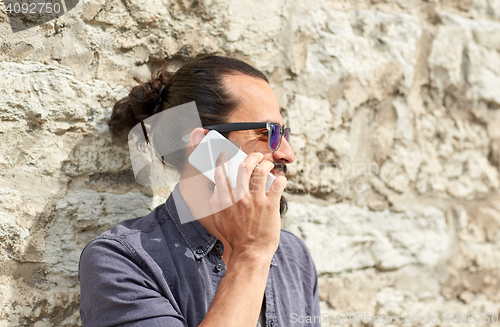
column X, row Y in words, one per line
column 206, row 153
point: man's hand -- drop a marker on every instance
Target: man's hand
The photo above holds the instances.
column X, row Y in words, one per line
column 246, row 216
column 249, row 220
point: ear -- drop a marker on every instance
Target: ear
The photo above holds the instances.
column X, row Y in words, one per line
column 196, row 136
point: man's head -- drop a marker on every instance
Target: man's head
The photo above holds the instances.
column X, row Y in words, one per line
column 257, row 103
column 225, row 90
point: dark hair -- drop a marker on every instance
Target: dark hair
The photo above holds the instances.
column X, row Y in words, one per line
column 200, row 80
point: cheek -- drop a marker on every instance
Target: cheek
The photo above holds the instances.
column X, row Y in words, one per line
column 249, row 142
column 255, row 146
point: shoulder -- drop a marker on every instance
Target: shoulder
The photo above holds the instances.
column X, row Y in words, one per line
column 292, row 244
column 124, row 239
column 294, row 261
column 120, row 253
column 137, row 225
column 119, row 280
column 293, row 252
column 128, row 230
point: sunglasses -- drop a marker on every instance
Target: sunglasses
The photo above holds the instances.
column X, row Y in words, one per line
column 275, row 131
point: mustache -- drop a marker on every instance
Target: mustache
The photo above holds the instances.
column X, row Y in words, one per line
column 281, row 166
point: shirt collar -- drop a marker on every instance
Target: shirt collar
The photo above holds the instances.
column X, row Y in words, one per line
column 199, row 240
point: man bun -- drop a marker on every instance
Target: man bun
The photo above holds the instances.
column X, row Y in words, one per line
column 143, row 101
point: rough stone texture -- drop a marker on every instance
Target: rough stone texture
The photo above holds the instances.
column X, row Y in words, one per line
column 358, row 238
column 395, row 110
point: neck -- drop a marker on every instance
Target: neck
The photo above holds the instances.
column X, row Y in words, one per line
column 196, row 192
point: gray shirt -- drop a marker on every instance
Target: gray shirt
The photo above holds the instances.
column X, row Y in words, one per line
column 154, row 271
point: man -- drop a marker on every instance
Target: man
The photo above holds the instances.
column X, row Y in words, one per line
column 233, row 267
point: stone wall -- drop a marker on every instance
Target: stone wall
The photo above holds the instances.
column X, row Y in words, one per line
column 395, row 110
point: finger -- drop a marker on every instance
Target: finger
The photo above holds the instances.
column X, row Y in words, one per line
column 245, row 171
column 222, row 181
column 228, row 183
column 214, row 202
column 250, row 162
column 260, row 175
column 242, row 183
column 277, row 189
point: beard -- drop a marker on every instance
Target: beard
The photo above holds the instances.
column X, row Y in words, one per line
column 283, row 206
column 283, row 201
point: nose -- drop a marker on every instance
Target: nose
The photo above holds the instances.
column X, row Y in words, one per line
column 285, row 153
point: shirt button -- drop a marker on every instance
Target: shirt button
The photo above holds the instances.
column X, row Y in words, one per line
column 217, row 246
column 219, row 267
column 199, row 251
column 271, row 324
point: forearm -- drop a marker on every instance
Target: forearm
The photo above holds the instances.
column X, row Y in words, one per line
column 238, row 299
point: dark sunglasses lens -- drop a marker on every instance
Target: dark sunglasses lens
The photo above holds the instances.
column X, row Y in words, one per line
column 275, row 137
column 287, row 135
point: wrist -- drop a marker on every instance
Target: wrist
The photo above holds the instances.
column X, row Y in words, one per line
column 251, row 258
